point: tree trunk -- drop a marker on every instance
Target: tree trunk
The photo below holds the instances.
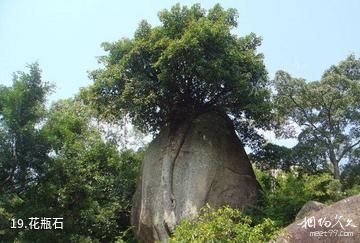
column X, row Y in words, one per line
column 335, row 163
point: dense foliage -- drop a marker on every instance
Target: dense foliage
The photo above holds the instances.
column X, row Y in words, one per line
column 286, row 192
column 350, row 177
column 21, row 109
column 303, row 157
column 23, row 147
column 224, row 225
column 191, row 63
column 55, row 164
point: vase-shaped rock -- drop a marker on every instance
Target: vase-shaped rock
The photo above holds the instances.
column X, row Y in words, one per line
column 201, row 161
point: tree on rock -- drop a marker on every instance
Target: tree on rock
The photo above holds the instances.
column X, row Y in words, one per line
column 190, row 64
column 185, row 79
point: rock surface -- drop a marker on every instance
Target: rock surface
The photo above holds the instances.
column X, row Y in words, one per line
column 309, row 208
column 202, row 161
column 336, row 223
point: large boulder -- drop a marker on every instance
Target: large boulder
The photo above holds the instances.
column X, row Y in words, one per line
column 200, row 161
column 336, row 223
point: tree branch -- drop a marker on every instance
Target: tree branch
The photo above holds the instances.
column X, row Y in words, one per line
column 308, row 120
column 348, row 149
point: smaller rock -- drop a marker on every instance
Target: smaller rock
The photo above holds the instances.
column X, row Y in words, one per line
column 309, row 208
column 336, row 223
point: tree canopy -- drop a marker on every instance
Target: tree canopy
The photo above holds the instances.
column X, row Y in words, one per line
column 190, row 64
column 55, row 163
column 327, row 111
column 22, row 107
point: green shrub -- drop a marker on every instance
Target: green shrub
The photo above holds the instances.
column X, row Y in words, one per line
column 355, row 190
column 285, row 194
column 223, row 225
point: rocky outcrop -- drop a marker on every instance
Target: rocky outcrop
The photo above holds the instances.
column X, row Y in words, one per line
column 336, row 223
column 309, row 208
column 201, row 161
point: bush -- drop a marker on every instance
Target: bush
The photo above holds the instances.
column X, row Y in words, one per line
column 223, row 225
column 285, row 194
column 355, row 190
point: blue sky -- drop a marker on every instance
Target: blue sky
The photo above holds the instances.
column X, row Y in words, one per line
column 301, row 37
